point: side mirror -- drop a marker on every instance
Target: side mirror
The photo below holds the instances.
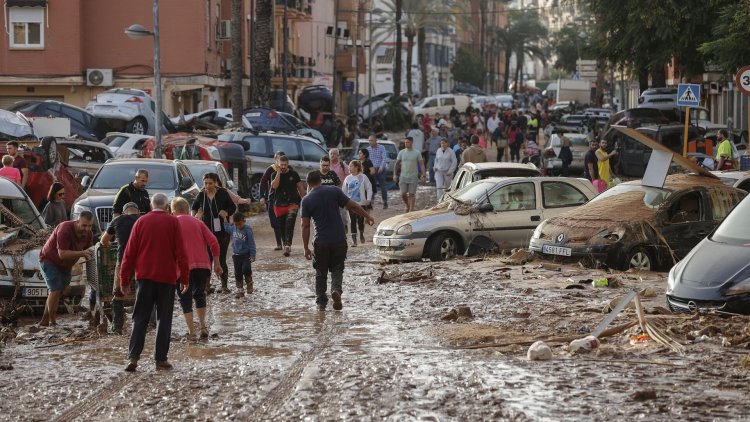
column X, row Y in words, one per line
column 85, row 182
column 230, row 184
column 485, row 207
column 185, row 183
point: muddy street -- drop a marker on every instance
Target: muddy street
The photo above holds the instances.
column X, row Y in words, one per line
column 404, row 349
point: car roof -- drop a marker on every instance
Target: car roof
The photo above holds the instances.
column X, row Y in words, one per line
column 494, row 165
column 28, row 102
column 141, row 161
column 10, row 189
column 74, row 141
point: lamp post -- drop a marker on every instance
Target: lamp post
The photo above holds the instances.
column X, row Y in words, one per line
column 137, row 32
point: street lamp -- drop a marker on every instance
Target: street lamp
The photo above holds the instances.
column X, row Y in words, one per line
column 137, row 32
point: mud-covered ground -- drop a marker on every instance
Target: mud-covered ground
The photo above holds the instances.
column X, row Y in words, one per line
column 396, row 351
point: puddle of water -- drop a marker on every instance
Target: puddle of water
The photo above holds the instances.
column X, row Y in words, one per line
column 210, row 352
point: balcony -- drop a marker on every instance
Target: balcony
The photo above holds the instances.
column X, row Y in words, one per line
column 297, row 10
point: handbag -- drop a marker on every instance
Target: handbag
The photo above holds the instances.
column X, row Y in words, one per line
column 502, row 143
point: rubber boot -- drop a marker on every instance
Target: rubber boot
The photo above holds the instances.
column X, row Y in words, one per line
column 354, row 239
column 249, row 283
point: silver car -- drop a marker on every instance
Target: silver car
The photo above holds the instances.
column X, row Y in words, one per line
column 495, row 212
column 128, row 110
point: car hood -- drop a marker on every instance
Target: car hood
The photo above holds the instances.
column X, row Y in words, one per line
column 424, row 217
column 702, row 276
column 106, row 197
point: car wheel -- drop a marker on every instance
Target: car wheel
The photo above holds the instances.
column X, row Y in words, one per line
column 49, row 144
column 443, row 247
column 255, row 188
column 137, row 126
column 640, row 259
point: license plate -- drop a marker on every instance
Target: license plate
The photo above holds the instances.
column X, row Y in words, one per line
column 382, row 242
column 34, row 292
column 556, row 250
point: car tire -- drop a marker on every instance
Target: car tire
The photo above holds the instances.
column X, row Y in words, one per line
column 443, row 246
column 640, row 258
column 138, row 126
column 255, row 188
column 49, row 144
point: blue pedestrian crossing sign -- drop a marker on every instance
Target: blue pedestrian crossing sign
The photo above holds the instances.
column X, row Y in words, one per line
column 688, row 95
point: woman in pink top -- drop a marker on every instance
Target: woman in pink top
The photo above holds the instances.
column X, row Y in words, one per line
column 8, row 171
column 482, row 142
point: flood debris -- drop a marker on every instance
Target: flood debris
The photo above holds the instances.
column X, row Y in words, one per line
column 539, row 351
column 459, row 313
column 644, row 395
column 424, row 275
column 519, row 257
column 584, row 344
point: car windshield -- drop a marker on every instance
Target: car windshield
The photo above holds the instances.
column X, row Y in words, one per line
column 652, row 197
column 25, row 213
column 506, row 172
column 198, row 170
column 734, row 230
column 473, row 192
column 115, row 141
column 117, row 176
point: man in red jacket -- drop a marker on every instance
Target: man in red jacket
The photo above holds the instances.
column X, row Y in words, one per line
column 157, row 253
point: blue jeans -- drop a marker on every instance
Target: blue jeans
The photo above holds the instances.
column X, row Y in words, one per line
column 328, row 258
column 152, row 293
column 380, row 179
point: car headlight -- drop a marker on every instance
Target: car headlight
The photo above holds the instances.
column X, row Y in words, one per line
column 213, row 152
column 612, row 235
column 77, row 210
column 404, row 230
column 538, row 231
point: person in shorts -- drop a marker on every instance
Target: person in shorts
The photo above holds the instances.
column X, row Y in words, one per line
column 408, row 171
column 69, row 242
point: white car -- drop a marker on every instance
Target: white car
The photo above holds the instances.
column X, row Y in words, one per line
column 17, row 226
column 126, row 145
column 504, row 100
column 736, row 179
column 128, row 110
column 217, row 116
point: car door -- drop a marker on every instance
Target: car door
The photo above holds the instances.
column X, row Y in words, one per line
column 291, row 148
column 258, row 154
column 560, row 196
column 516, row 213
column 632, row 155
column 312, row 153
column 686, row 220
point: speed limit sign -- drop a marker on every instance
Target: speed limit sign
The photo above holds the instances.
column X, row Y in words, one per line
column 742, row 80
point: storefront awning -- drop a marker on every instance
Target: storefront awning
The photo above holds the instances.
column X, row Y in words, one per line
column 26, row 3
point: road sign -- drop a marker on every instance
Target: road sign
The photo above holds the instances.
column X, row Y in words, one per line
column 688, row 95
column 348, row 86
column 742, row 80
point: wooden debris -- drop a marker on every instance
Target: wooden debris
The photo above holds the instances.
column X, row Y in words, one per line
column 425, row 275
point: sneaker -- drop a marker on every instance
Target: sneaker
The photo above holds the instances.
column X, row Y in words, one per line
column 239, row 294
column 131, row 365
column 163, row 364
column 250, row 288
column 336, row 296
column 385, row 206
column 361, row 238
column 204, row 332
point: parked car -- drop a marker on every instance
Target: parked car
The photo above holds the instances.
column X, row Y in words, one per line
column 442, row 104
column 592, row 111
column 715, row 275
column 269, row 120
column 562, row 106
column 637, row 226
column 579, row 146
column 736, row 179
column 499, row 212
column 482, row 102
column 82, row 123
column 379, row 106
column 635, row 117
column 128, row 110
column 660, row 98
column 472, row 172
column 14, row 126
column 467, row 88
column 198, row 168
column 170, row 177
column 634, row 156
column 304, row 153
column 83, row 157
column 33, row 291
column 390, row 147
column 504, row 100
column 216, row 116
column 126, row 145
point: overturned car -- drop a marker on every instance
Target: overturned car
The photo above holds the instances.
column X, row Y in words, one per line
column 22, row 235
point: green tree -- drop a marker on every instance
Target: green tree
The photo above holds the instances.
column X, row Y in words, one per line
column 524, row 35
column 728, row 48
column 262, row 44
column 468, row 68
column 568, row 44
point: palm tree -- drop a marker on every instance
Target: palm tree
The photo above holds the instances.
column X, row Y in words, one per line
column 263, row 43
column 525, row 35
column 236, row 60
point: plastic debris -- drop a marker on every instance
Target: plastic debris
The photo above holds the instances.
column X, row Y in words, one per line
column 539, row 351
column 586, row 343
column 600, row 282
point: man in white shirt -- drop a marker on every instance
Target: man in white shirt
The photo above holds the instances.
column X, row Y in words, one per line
column 445, row 165
column 492, row 123
column 417, row 135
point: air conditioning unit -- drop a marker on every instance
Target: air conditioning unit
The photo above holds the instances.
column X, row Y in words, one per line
column 225, row 30
column 99, row 77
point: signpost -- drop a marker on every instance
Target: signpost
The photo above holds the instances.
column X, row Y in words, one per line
column 742, row 82
column 688, row 95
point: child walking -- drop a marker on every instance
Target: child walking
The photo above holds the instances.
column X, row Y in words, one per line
column 357, row 187
column 243, row 253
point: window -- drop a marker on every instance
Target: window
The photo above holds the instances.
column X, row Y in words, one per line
column 561, row 194
column 289, row 146
column 432, row 103
column 449, row 101
column 257, row 146
column 518, row 196
column 74, row 114
column 312, row 151
column 26, row 27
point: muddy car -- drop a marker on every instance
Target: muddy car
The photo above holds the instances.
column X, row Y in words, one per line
column 484, row 215
column 472, row 172
column 20, row 223
column 636, row 226
column 715, row 275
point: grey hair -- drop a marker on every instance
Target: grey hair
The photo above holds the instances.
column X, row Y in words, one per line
column 159, row 200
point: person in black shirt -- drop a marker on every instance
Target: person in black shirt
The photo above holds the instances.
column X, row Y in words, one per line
column 266, row 197
column 134, row 191
column 591, row 162
column 327, row 177
column 367, row 169
column 120, row 229
column 289, row 191
column 214, row 206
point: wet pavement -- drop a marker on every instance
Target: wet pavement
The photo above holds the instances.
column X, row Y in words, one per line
column 393, row 353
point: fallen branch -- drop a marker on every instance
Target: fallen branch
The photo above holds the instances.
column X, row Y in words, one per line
column 69, row 341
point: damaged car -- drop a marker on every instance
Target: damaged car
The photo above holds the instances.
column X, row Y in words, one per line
column 715, row 275
column 636, row 226
column 493, row 213
column 22, row 235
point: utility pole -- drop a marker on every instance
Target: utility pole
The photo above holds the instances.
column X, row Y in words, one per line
column 284, row 81
column 335, row 47
column 251, row 96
